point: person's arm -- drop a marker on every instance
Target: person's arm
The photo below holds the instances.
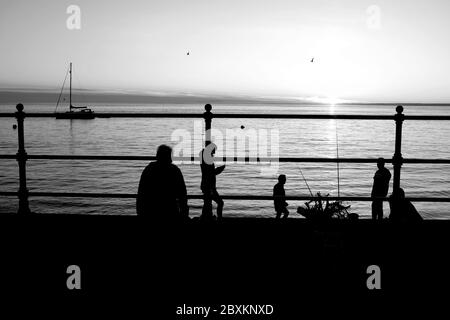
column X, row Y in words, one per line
column 283, row 198
column 219, row 170
column 278, row 198
column 182, row 195
column 140, row 199
column 373, row 186
column 386, row 177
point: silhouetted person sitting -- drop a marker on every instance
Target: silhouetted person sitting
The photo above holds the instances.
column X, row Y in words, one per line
column 162, row 191
column 380, row 189
column 279, row 197
column 402, row 209
column 208, row 184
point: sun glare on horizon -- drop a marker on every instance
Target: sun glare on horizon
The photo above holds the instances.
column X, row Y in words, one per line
column 332, row 101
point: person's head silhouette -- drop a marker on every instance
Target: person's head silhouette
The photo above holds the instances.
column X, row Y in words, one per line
column 380, row 163
column 400, row 194
column 282, row 178
column 164, row 154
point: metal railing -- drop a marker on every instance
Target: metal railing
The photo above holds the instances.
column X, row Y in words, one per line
column 397, row 160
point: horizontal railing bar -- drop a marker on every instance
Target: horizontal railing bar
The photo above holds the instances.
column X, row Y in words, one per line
column 226, row 197
column 8, row 194
column 241, row 115
column 328, row 116
column 434, row 118
column 111, row 115
column 224, row 159
column 417, row 161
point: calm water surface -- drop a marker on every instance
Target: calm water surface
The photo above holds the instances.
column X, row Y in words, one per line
column 297, row 138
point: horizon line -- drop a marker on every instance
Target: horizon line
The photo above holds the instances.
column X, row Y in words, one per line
column 216, row 97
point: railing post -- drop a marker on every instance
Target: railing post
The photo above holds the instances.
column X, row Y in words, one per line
column 397, row 159
column 21, row 157
column 207, row 115
column 207, row 201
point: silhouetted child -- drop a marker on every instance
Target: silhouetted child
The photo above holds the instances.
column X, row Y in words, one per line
column 279, row 197
column 208, row 184
column 402, row 209
column 380, row 189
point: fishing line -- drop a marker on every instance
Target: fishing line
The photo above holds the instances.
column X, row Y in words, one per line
column 306, row 182
column 337, row 158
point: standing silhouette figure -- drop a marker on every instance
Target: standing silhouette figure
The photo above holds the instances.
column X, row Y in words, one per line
column 279, row 197
column 208, row 184
column 380, row 189
column 162, row 191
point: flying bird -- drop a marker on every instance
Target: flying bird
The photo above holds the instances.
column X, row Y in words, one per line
column 187, row 53
column 312, row 60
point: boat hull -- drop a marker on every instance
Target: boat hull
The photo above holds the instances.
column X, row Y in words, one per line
column 75, row 115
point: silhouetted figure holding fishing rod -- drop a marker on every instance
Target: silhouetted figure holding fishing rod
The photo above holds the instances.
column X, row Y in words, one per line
column 380, row 189
column 279, row 197
column 208, row 184
column 162, row 192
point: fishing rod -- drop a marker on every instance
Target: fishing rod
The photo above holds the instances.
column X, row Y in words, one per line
column 306, row 182
column 337, row 167
column 337, row 162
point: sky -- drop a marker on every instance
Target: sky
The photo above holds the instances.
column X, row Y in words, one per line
column 373, row 51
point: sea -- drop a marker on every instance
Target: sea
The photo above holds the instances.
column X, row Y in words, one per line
column 265, row 137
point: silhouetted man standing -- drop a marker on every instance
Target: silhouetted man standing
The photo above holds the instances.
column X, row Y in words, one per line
column 162, row 191
column 208, row 184
column 380, row 189
column 279, row 197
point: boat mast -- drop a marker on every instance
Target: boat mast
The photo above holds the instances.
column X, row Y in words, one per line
column 70, row 92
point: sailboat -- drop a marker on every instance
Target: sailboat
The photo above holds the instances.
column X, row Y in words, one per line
column 74, row 112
